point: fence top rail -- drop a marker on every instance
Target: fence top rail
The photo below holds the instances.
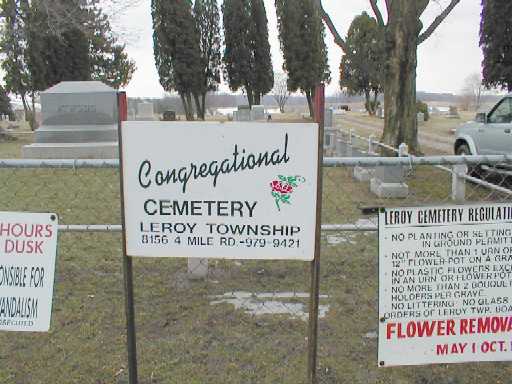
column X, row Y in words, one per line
column 413, row 160
column 59, row 163
column 328, row 161
column 119, row 227
column 371, row 137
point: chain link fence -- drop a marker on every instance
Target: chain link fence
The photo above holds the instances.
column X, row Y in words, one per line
column 225, row 321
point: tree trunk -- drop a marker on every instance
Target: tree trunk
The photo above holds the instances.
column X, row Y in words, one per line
column 375, row 102
column 33, row 123
column 199, row 109
column 250, row 95
column 400, row 78
column 190, row 115
column 28, row 111
column 187, row 106
column 309, row 98
column 203, row 105
column 367, row 102
column 257, row 99
column 184, row 103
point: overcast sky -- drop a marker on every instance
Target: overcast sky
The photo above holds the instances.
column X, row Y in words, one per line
column 444, row 60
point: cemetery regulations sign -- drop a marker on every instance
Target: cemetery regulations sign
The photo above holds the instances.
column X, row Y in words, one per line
column 28, row 244
column 445, row 284
column 212, row 190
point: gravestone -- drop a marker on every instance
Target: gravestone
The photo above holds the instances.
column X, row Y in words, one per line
column 169, row 116
column 363, row 173
column 258, row 112
column 197, row 268
column 79, row 121
column 380, row 112
column 243, row 113
column 145, row 112
column 329, row 117
column 453, row 112
column 19, row 115
column 389, row 182
column 330, row 138
column 420, row 117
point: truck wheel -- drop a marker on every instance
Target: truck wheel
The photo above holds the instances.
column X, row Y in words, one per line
column 463, row 150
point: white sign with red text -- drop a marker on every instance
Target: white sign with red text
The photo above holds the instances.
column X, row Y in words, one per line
column 445, row 284
column 231, row 190
column 28, row 245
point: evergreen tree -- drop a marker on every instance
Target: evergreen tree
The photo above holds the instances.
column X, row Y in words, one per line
column 247, row 60
column 176, row 49
column 362, row 65
column 263, row 71
column 496, row 43
column 46, row 42
column 301, row 34
column 67, row 57
column 56, row 54
column 84, row 49
column 109, row 62
column 206, row 14
column 5, row 104
column 13, row 45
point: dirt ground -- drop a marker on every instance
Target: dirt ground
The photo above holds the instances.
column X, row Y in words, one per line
column 436, row 136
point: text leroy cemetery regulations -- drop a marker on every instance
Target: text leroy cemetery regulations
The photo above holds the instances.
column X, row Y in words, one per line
column 28, row 244
column 212, row 190
column 445, row 284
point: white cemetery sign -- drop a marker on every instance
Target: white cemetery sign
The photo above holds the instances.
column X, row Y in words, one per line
column 236, row 190
column 445, row 284
column 28, row 244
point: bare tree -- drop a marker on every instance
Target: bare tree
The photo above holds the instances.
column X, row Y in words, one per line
column 403, row 32
column 471, row 95
column 280, row 91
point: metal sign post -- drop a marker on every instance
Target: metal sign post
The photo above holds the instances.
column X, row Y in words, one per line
column 206, row 184
column 131, row 342
column 315, row 264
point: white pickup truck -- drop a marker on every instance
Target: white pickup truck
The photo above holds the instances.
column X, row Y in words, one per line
column 489, row 134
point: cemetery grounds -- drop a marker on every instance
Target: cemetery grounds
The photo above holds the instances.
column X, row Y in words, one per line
column 245, row 323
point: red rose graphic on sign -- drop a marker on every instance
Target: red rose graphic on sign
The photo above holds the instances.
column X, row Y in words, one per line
column 283, row 188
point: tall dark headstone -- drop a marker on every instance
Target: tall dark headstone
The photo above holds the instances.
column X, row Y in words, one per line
column 79, row 120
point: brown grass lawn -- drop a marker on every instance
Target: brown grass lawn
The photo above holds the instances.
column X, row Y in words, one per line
column 182, row 337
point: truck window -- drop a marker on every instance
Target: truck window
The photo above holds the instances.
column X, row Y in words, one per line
column 502, row 113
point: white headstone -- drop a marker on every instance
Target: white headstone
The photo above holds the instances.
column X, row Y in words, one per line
column 244, row 113
column 329, row 117
column 258, row 112
column 145, row 112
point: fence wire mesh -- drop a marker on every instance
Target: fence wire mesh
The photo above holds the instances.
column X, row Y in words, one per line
column 222, row 321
